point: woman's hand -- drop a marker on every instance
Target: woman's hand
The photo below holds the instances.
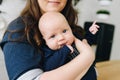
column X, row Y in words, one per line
column 88, row 55
column 83, row 46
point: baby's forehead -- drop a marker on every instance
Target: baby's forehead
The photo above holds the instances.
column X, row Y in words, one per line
column 52, row 16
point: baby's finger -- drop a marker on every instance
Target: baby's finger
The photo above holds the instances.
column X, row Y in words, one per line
column 94, row 31
column 94, row 23
column 97, row 26
column 70, row 47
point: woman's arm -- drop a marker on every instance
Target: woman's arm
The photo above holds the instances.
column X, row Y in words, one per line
column 22, row 54
column 78, row 65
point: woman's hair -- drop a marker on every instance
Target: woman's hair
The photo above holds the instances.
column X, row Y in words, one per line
column 31, row 14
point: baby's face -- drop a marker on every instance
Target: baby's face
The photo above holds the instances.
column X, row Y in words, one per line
column 55, row 31
column 57, row 35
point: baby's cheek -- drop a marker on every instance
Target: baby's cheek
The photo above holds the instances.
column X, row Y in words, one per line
column 72, row 39
column 53, row 46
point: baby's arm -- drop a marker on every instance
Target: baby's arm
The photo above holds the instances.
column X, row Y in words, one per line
column 90, row 34
column 56, row 58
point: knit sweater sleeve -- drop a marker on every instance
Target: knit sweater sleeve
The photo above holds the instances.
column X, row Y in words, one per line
column 20, row 57
column 91, row 38
column 55, row 59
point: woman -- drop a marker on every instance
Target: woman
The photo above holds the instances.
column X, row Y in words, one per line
column 22, row 40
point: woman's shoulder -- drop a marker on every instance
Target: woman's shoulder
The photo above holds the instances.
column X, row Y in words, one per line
column 16, row 24
column 11, row 34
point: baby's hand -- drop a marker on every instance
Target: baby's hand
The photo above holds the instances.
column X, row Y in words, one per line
column 71, row 48
column 94, row 28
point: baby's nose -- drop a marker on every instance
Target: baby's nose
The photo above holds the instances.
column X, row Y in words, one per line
column 60, row 38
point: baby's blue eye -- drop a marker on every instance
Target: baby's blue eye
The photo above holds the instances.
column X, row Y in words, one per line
column 52, row 36
column 64, row 31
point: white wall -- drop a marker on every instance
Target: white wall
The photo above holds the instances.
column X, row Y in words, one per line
column 87, row 12
column 11, row 9
column 3, row 72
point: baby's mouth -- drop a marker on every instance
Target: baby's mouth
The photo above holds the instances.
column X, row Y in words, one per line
column 62, row 45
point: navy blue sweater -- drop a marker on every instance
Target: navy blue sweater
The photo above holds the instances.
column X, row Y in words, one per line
column 22, row 56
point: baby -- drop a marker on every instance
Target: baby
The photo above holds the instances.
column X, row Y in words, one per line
column 59, row 39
